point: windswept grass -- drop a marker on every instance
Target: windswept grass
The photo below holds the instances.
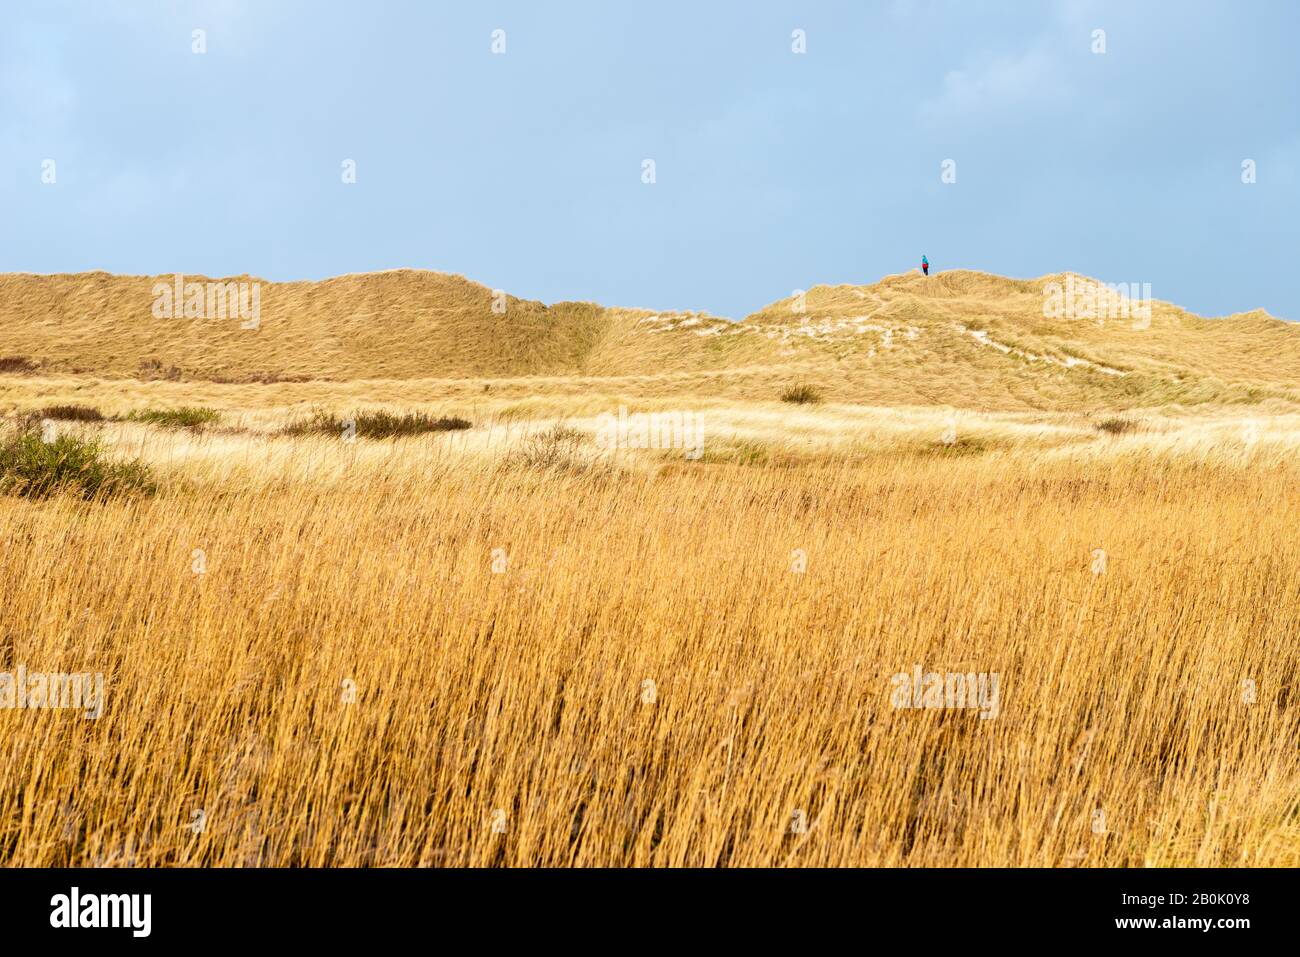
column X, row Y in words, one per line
column 517, row 648
column 414, row 654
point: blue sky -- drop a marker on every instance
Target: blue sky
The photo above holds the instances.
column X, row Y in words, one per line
column 774, row 170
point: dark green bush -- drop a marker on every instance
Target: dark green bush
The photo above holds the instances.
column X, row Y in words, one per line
column 34, row 468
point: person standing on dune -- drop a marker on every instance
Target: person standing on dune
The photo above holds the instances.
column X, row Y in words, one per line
column 925, row 265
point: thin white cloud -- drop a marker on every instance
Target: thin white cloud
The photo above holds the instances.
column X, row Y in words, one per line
column 990, row 87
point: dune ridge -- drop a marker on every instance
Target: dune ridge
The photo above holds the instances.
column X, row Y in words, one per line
column 959, row 337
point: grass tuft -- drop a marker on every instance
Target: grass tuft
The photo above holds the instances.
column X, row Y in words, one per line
column 16, row 365
column 803, row 394
column 186, row 417
column 376, row 425
column 559, row 449
column 1116, row 426
column 68, row 413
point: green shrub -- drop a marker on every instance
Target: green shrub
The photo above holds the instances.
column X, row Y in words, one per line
column 34, row 468
column 375, row 425
column 186, row 417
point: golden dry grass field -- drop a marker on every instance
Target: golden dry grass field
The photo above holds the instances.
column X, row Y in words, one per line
column 519, row 644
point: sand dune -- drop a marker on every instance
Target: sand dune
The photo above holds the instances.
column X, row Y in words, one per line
column 960, row 337
column 435, row 650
